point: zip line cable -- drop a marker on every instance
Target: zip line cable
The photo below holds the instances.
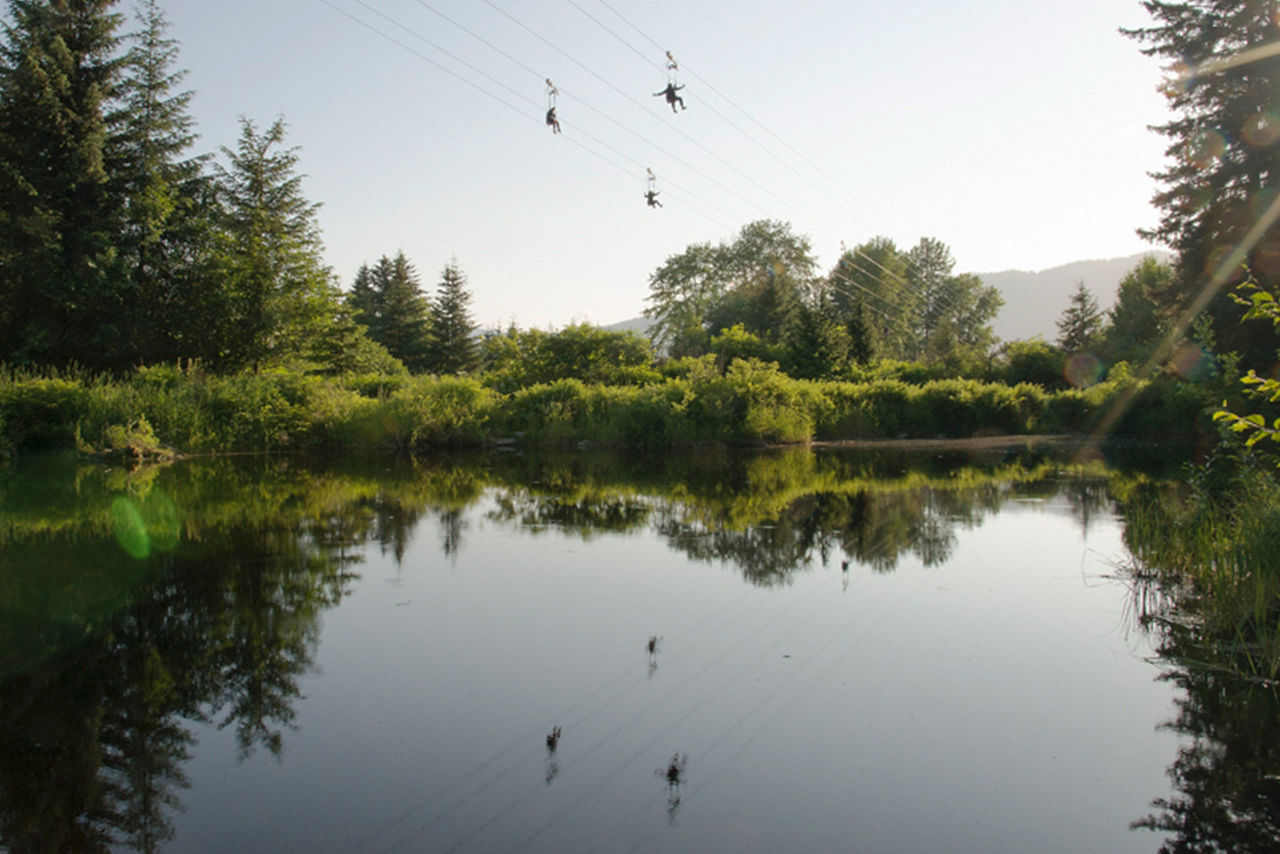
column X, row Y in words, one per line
column 568, row 93
column 425, row 58
column 644, row 107
column 447, row 53
column 897, row 279
column 625, row 43
column 521, row 96
column 947, row 302
column 705, row 104
column 731, row 103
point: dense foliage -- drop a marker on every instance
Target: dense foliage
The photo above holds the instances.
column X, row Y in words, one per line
column 158, row 410
column 1218, row 193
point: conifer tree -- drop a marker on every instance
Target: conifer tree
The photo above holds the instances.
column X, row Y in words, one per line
column 1081, row 321
column 59, row 213
column 453, row 345
column 281, row 298
column 1218, row 192
column 393, row 308
column 167, row 226
column 364, row 300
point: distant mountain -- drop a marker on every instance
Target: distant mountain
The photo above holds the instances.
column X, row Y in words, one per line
column 635, row 324
column 1033, row 301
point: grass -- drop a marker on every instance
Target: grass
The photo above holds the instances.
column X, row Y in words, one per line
column 170, row 408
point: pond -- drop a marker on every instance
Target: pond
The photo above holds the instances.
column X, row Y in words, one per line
column 802, row 650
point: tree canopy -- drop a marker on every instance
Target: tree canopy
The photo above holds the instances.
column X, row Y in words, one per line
column 1218, row 192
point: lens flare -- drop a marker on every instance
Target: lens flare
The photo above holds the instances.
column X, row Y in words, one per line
column 1192, row 363
column 161, row 518
column 1266, row 258
column 1220, row 264
column 1261, row 129
column 145, row 526
column 129, row 529
column 1082, row 370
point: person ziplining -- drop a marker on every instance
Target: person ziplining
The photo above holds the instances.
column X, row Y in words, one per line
column 672, row 97
column 673, row 84
column 651, row 190
column 552, row 121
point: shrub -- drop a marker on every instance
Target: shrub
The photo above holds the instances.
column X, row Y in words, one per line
column 41, row 411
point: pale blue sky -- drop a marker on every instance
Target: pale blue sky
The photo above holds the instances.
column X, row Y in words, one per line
column 1013, row 131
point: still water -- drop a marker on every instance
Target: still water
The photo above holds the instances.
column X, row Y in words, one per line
column 855, row 651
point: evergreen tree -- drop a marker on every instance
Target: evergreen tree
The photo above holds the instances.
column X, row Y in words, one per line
column 1218, row 192
column 167, row 225
column 818, row 343
column 1081, row 321
column 453, row 344
column 281, row 298
column 391, row 304
column 364, row 300
column 859, row 333
column 404, row 314
column 59, row 214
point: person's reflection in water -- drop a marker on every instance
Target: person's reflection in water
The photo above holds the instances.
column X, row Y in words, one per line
column 674, row 775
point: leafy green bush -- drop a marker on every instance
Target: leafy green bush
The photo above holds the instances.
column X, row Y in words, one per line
column 41, row 411
column 437, row 411
column 1033, row 361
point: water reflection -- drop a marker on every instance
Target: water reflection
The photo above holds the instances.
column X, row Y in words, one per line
column 1226, row 775
column 112, row 655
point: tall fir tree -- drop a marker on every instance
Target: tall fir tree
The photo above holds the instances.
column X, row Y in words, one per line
column 453, row 345
column 390, row 303
column 167, row 234
column 59, row 213
column 281, row 297
column 1220, row 190
column 1081, row 321
column 363, row 299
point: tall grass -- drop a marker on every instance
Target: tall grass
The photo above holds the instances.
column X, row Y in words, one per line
column 1217, row 545
column 185, row 409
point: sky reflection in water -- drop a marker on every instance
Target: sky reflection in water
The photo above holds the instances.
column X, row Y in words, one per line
column 372, row 658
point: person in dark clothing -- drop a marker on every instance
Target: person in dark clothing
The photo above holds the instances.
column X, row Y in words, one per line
column 672, row 97
column 552, row 121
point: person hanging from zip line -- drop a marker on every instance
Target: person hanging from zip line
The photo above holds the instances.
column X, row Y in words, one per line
column 673, row 84
column 552, row 121
column 651, row 189
column 672, row 97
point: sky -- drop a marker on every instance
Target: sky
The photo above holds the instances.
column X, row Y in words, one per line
column 1015, row 132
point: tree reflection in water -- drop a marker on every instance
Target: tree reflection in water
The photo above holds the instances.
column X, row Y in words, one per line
column 1226, row 776
column 108, row 663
